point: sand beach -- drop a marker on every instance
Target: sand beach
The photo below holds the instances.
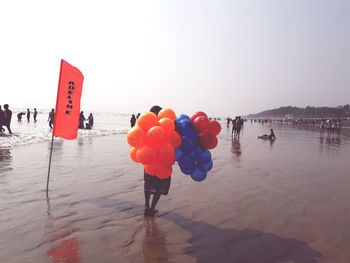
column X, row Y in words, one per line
column 285, row 201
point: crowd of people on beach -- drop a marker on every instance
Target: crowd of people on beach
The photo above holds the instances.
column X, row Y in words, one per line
column 6, row 116
column 237, row 125
column 28, row 113
column 329, row 126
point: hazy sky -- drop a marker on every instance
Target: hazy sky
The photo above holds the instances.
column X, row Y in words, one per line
column 222, row 57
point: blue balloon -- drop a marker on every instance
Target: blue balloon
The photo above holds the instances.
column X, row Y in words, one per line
column 202, row 156
column 199, row 174
column 187, row 164
column 185, row 125
column 208, row 166
column 182, row 117
column 185, row 128
column 178, row 153
column 188, row 145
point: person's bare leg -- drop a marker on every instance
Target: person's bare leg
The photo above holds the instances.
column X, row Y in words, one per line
column 155, row 200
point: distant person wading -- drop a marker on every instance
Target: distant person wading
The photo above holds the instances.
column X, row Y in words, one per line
column 35, row 114
column 1, row 120
column 19, row 116
column 28, row 115
column 51, row 118
column 82, row 119
column 133, row 121
column 7, row 118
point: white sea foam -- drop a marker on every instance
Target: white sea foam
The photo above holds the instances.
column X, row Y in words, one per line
column 29, row 132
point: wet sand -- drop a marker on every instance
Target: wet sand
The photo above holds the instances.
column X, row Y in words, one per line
column 285, row 201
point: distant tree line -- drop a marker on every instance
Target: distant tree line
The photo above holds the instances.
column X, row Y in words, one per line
column 308, row 112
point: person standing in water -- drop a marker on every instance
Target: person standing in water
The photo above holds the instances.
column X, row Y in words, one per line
column 81, row 120
column 91, row 120
column 19, row 116
column 35, row 114
column 154, row 185
column 51, row 117
column 1, row 120
column 28, row 115
column 7, row 118
column 133, row 121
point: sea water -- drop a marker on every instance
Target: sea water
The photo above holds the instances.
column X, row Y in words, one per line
column 24, row 132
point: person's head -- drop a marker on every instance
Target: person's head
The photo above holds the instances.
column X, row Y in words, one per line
column 271, row 130
column 81, row 112
column 6, row 106
column 155, row 109
column 52, row 110
column 90, row 114
column 34, row 108
column 27, row 109
column 133, row 115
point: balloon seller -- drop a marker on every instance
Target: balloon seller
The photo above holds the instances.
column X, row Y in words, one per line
column 154, row 185
column 160, row 139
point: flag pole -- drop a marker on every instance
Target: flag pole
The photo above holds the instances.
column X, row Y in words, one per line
column 48, row 172
column 53, row 132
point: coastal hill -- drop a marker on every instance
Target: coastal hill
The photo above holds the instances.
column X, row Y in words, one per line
column 308, row 112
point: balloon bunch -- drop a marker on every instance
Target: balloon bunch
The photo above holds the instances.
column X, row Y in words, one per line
column 153, row 142
column 198, row 135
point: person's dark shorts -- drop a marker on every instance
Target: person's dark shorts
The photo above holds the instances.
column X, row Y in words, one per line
column 153, row 184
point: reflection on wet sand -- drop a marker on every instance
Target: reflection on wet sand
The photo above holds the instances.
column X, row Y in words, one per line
column 154, row 243
column 66, row 252
column 61, row 250
column 214, row 244
column 5, row 159
column 236, row 147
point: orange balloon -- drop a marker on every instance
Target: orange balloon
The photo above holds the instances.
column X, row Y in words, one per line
column 164, row 171
column 167, row 113
column 146, row 155
column 155, row 135
column 133, row 151
column 166, row 154
column 168, row 125
column 175, row 139
column 151, row 169
column 136, row 137
column 147, row 120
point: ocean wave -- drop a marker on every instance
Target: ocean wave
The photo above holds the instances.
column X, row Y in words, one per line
column 25, row 138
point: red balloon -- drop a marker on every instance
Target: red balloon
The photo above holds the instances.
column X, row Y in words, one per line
column 197, row 114
column 151, row 169
column 146, row 155
column 201, row 124
column 207, row 141
column 164, row 171
column 214, row 128
column 166, row 154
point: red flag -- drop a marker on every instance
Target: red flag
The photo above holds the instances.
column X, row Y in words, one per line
column 67, row 111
